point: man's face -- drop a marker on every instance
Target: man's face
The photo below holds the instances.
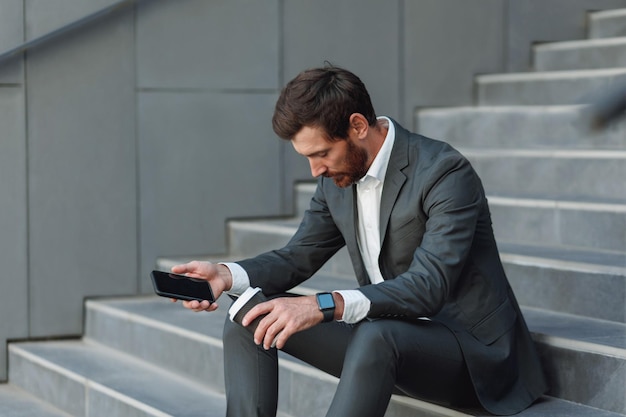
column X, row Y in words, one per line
column 344, row 161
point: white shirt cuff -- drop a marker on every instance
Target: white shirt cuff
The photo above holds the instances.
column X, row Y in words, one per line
column 356, row 306
column 241, row 281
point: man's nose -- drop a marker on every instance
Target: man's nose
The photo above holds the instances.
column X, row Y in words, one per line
column 317, row 168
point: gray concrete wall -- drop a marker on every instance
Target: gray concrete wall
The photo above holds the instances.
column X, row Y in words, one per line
column 448, row 42
column 138, row 136
column 13, row 185
column 68, row 189
column 82, row 179
column 206, row 91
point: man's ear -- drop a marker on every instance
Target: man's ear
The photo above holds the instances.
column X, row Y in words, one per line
column 359, row 125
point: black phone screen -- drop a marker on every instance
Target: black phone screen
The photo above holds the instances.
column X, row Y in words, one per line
column 181, row 287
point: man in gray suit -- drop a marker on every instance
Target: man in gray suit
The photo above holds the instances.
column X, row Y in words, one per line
column 433, row 317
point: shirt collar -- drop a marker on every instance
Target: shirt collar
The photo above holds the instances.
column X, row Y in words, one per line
column 378, row 169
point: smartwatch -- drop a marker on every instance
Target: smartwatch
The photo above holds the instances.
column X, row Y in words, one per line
column 326, row 304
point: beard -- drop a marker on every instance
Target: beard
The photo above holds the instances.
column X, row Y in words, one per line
column 356, row 167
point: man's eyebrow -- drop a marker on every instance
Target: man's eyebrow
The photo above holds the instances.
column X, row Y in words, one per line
column 317, row 153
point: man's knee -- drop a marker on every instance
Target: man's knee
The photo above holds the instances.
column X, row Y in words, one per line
column 235, row 334
column 374, row 332
column 373, row 340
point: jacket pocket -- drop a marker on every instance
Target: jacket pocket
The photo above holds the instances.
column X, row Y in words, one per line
column 498, row 322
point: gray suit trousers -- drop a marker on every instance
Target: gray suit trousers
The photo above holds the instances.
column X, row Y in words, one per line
column 373, row 359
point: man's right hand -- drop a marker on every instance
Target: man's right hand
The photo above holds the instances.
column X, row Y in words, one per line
column 217, row 276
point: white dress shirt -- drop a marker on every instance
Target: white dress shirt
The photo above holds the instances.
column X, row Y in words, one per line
column 369, row 193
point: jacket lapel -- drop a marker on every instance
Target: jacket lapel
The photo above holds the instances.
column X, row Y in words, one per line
column 394, row 178
column 349, row 221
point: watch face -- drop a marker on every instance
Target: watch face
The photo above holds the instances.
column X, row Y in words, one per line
column 325, row 301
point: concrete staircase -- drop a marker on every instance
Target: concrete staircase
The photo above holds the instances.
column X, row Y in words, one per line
column 558, row 197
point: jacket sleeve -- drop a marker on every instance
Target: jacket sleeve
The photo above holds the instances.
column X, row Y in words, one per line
column 449, row 200
column 316, row 240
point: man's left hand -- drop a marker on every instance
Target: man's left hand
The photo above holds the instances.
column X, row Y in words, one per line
column 285, row 316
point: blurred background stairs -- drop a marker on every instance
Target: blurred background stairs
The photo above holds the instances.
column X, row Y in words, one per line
column 563, row 243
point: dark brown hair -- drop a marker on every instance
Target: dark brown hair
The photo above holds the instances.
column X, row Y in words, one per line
column 324, row 98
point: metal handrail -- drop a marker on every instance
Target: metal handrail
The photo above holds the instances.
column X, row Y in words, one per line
column 65, row 29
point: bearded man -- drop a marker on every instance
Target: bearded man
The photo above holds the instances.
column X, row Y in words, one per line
column 433, row 316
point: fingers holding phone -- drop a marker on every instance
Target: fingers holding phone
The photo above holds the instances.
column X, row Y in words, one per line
column 218, row 275
column 198, row 306
column 197, row 269
column 196, row 292
column 215, row 278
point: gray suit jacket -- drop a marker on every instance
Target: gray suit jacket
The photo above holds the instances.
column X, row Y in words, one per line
column 438, row 257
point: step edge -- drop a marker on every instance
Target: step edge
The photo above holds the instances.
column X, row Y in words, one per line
column 155, row 324
column 90, row 384
column 562, row 265
column 505, row 201
column 549, row 75
column 603, row 14
column 262, row 226
column 581, row 44
column 33, row 399
column 557, row 204
column 544, row 153
column 579, row 346
column 505, row 108
column 305, row 370
column 304, row 290
column 125, row 399
column 45, row 363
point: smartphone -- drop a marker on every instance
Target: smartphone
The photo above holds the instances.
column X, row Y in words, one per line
column 181, row 287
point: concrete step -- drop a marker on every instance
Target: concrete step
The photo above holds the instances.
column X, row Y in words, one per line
column 84, row 378
column 246, row 238
column 579, row 353
column 593, row 281
column 548, row 88
column 150, row 328
column 587, row 175
column 575, row 224
column 250, row 238
column 563, row 256
column 518, row 127
column 607, row 24
column 153, row 329
column 586, row 283
column 15, row 402
column 580, row 55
